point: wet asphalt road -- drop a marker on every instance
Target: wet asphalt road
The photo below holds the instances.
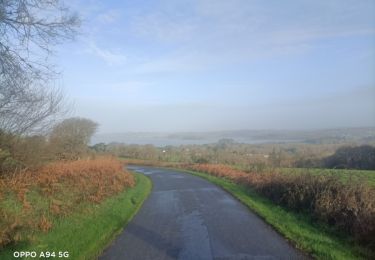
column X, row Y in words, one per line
column 186, row 217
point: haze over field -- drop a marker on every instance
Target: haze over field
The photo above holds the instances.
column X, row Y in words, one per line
column 364, row 135
column 207, row 65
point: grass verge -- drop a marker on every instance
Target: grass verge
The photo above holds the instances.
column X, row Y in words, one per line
column 313, row 238
column 85, row 234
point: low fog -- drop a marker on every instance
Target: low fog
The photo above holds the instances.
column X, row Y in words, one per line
column 352, row 109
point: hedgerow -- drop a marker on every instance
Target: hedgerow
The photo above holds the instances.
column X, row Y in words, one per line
column 347, row 206
column 30, row 200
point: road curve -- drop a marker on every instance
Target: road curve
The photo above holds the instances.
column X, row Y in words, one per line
column 186, row 217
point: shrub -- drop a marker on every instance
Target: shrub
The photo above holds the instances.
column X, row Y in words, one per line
column 359, row 157
column 19, row 152
column 30, row 200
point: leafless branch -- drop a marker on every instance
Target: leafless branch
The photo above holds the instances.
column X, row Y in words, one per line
column 28, row 31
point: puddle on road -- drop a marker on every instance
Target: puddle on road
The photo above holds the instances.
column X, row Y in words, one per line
column 142, row 170
column 177, row 176
column 151, row 171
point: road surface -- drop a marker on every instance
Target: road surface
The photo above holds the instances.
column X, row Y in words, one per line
column 186, row 217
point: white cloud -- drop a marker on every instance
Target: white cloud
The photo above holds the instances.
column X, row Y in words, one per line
column 198, row 34
column 193, row 35
column 109, row 56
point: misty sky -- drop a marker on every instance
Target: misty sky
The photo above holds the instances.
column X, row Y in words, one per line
column 203, row 65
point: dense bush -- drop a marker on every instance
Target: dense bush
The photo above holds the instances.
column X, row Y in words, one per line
column 359, row 157
column 8, row 154
column 67, row 141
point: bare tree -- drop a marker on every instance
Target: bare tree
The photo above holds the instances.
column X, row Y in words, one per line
column 28, row 31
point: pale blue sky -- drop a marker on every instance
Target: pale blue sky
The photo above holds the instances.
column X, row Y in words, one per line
column 202, row 65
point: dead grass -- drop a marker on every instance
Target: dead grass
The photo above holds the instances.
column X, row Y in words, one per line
column 30, row 200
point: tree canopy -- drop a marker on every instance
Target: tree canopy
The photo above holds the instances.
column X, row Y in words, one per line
column 71, row 137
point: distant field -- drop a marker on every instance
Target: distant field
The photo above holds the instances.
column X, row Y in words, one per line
column 346, row 175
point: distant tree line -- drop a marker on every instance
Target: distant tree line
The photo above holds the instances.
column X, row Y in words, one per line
column 250, row 156
column 346, row 157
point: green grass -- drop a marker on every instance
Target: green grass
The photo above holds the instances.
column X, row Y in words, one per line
column 86, row 233
column 345, row 175
column 315, row 239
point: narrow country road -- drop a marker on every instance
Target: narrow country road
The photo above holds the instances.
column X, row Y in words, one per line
column 186, row 217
